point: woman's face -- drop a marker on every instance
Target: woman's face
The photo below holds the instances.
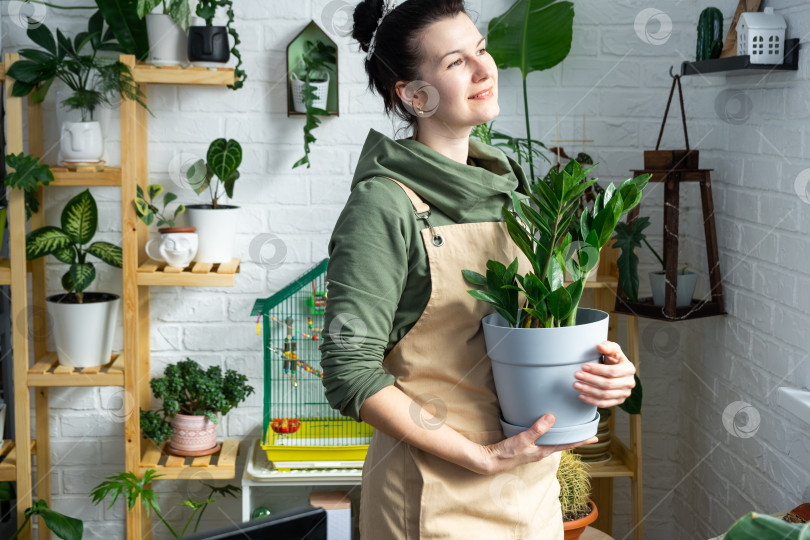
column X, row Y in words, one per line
column 464, row 75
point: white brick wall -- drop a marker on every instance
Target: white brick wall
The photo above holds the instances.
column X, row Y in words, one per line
column 692, row 371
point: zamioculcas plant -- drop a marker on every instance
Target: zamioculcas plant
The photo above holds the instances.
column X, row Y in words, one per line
column 546, row 231
column 224, row 158
column 67, row 243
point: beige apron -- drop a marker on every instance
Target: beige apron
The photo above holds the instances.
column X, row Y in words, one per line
column 441, row 363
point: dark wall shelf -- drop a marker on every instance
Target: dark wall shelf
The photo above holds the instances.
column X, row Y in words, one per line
column 741, row 65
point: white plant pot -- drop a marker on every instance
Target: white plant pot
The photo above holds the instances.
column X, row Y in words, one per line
column 216, row 229
column 81, row 142
column 684, row 290
column 321, row 93
column 168, row 43
column 84, row 333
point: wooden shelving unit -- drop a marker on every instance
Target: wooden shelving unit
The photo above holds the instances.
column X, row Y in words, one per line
column 128, row 368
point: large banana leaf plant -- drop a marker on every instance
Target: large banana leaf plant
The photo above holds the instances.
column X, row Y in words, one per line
column 224, row 157
column 533, row 35
column 546, row 230
column 79, row 222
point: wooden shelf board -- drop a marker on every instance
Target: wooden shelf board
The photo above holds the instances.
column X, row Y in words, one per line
column 645, row 308
column 48, row 372
column 5, row 271
column 219, row 466
column 662, row 175
column 194, row 75
column 741, row 65
column 109, row 176
column 153, row 273
column 620, row 463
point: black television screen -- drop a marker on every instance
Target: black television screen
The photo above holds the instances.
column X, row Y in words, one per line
column 301, row 523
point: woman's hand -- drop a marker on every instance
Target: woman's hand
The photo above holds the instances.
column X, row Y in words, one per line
column 609, row 383
column 520, row 449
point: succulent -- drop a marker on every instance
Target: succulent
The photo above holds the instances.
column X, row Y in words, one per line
column 575, row 486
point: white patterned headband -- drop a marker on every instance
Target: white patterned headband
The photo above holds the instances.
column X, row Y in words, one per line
column 372, row 44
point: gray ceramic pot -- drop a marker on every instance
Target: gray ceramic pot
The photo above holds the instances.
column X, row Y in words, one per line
column 684, row 290
column 534, row 371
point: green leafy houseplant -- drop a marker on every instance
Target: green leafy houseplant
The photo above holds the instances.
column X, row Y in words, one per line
column 28, row 175
column 627, row 239
column 547, row 233
column 93, row 80
column 147, row 210
column 178, row 10
column 524, row 150
column 316, row 60
column 186, row 388
column 132, row 488
column 223, row 160
column 206, row 10
column 65, row 527
column 78, row 226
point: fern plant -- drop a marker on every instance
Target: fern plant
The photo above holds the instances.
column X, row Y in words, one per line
column 79, row 222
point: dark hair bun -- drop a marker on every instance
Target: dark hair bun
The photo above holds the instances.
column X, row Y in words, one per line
column 366, row 15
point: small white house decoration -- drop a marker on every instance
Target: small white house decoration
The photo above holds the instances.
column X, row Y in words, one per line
column 762, row 37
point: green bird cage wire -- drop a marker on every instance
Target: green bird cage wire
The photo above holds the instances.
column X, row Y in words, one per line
column 301, row 430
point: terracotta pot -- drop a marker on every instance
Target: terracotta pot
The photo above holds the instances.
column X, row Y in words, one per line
column 193, row 434
column 573, row 529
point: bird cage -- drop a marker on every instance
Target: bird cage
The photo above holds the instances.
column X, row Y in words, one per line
column 761, row 36
column 301, row 430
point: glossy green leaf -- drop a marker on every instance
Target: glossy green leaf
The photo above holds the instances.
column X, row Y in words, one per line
column 474, row 277
column 632, row 405
column 107, row 252
column 80, row 217
column 224, row 157
column 154, row 190
column 66, row 255
column 28, row 172
column 45, row 241
column 82, row 275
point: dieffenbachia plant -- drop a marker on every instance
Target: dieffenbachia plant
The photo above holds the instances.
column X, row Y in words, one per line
column 79, row 222
column 546, row 230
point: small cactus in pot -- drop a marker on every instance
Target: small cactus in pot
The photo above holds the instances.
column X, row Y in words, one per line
column 578, row 510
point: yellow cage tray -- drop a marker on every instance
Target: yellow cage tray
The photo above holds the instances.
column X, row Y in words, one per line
column 319, row 443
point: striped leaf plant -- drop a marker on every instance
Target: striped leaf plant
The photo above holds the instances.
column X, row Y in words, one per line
column 69, row 244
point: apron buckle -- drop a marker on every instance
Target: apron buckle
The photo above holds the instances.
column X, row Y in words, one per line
column 438, row 239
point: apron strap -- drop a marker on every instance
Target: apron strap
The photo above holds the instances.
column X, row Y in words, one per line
column 421, row 209
column 419, row 206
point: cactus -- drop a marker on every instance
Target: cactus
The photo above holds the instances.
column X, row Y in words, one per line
column 575, row 486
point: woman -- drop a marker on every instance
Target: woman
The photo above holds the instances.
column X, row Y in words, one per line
column 403, row 348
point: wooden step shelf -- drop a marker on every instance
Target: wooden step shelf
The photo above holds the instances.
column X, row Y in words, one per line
column 8, row 460
column 645, row 308
column 85, row 176
column 48, row 372
column 620, row 463
column 153, row 273
column 149, row 74
column 219, row 466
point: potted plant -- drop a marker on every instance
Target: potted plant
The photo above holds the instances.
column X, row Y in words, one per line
column 83, row 322
column 167, row 30
column 92, row 80
column 215, row 222
column 132, row 489
column 192, row 398
column 537, row 344
column 310, row 88
column 578, row 509
column 176, row 245
column 65, row 527
column 627, row 239
column 208, row 45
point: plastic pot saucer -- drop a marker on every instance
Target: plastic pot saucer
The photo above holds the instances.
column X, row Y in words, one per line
column 555, row 435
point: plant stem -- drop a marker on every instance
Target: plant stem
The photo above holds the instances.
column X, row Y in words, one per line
column 16, row 534
column 160, row 516
column 202, row 510
column 528, row 128
column 654, row 252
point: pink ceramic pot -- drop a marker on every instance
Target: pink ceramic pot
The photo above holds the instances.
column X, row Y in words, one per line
column 193, row 434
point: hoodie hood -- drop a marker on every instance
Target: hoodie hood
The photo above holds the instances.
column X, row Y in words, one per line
column 476, row 191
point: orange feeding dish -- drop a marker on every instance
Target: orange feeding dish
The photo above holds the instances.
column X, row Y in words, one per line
column 285, row 425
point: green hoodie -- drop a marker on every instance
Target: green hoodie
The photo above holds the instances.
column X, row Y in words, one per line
column 378, row 277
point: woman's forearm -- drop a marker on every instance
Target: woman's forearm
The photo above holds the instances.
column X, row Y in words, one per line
column 394, row 413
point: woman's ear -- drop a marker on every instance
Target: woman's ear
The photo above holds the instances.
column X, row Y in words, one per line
column 409, row 98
